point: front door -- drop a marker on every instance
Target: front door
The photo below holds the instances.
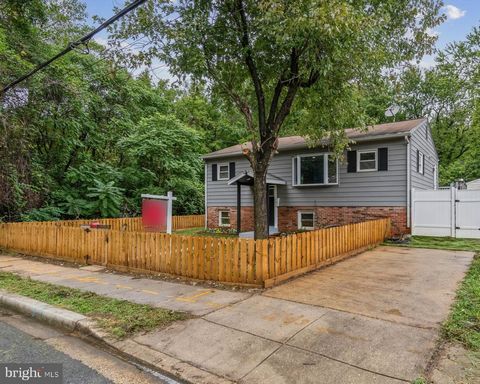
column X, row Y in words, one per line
column 271, row 205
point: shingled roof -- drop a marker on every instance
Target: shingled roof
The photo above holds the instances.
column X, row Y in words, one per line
column 374, row 132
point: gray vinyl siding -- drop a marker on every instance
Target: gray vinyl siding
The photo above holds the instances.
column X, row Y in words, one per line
column 219, row 193
column 377, row 188
column 421, row 139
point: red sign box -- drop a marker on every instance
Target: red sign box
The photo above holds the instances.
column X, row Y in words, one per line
column 154, row 214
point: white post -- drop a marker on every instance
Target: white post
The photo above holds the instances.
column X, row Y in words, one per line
column 453, row 221
column 169, row 212
column 169, row 199
column 409, row 184
column 411, row 219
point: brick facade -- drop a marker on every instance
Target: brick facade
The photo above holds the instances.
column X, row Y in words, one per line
column 324, row 216
column 246, row 219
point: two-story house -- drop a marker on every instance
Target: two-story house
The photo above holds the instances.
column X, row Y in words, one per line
column 309, row 188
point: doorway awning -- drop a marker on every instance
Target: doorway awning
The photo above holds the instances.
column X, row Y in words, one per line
column 246, row 178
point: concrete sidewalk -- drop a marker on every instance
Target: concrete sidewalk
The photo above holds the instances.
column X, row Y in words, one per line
column 196, row 300
column 373, row 318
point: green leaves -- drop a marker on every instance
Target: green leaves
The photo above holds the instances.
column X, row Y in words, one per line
column 43, row 214
column 166, row 154
column 340, row 42
column 448, row 94
column 89, row 138
column 107, row 198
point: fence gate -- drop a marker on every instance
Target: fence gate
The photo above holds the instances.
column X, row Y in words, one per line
column 446, row 212
column 468, row 214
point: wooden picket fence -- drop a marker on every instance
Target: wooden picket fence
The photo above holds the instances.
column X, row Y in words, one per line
column 228, row 260
column 130, row 224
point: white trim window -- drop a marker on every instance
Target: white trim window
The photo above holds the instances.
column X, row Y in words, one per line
column 367, row 161
column 421, row 163
column 315, row 169
column 224, row 218
column 223, row 172
column 306, row 220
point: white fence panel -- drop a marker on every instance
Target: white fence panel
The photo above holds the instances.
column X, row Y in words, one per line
column 468, row 214
column 432, row 212
column 446, row 212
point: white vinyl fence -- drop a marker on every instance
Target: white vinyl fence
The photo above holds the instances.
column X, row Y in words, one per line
column 446, row 212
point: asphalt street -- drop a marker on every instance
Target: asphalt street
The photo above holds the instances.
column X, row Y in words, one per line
column 18, row 347
column 25, row 341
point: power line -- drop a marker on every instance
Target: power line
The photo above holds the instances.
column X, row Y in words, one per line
column 106, row 50
column 75, row 44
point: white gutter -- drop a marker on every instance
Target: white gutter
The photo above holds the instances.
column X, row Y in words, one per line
column 206, row 201
column 409, row 181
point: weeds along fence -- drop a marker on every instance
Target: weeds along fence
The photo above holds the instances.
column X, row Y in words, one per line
column 130, row 224
column 227, row 260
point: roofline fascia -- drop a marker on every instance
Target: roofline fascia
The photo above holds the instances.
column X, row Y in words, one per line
column 398, row 135
column 360, row 139
column 427, row 124
column 419, row 125
column 208, row 157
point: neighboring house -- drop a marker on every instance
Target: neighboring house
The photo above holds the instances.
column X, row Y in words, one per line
column 309, row 189
column 474, row 184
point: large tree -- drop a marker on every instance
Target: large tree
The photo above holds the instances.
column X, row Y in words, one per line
column 65, row 132
column 449, row 95
column 275, row 58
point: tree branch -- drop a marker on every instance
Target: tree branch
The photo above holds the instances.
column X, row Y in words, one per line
column 293, row 84
column 241, row 104
column 312, row 79
column 274, row 103
column 252, row 68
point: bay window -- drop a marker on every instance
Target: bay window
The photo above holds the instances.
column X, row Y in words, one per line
column 315, row 169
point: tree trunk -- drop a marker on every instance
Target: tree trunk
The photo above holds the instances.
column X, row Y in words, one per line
column 260, row 195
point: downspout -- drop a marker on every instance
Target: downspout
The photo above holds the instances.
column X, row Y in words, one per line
column 206, row 200
column 409, row 181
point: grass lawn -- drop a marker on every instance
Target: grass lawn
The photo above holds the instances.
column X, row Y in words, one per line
column 120, row 318
column 463, row 324
column 440, row 243
column 201, row 231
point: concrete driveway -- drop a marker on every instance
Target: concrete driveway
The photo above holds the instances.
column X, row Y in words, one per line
column 373, row 318
column 410, row 286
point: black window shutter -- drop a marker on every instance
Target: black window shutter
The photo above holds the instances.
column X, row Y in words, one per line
column 231, row 169
column 383, row 159
column 418, row 160
column 295, row 176
column 352, row 161
column 214, row 172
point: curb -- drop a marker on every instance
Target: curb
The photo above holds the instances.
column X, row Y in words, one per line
column 128, row 348
column 44, row 312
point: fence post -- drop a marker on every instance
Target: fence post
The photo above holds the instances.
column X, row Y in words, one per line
column 105, row 250
column 453, row 223
column 412, row 212
column 261, row 260
column 265, row 251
